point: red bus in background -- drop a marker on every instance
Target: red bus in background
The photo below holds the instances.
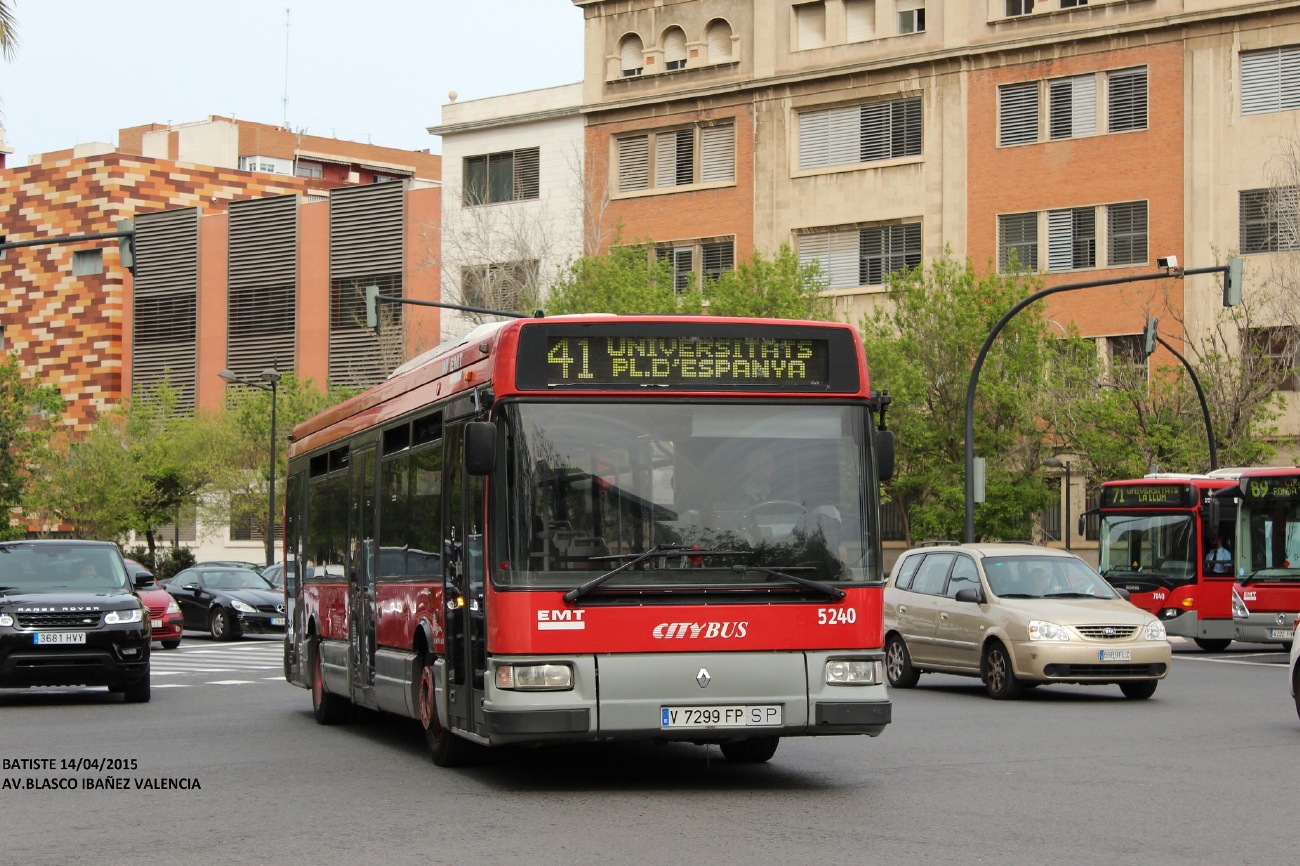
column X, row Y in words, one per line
column 1156, row 538
column 595, row 527
column 1267, row 600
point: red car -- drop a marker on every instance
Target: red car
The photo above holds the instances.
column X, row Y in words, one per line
column 164, row 613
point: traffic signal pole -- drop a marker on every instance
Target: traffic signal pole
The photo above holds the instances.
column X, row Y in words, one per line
column 1231, row 293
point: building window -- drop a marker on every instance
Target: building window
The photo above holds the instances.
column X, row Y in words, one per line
column 864, row 256
column 885, row 250
column 674, row 49
column 1127, row 99
column 1270, row 80
column 496, row 177
column 1019, row 7
column 810, row 25
column 631, row 55
column 1128, row 358
column 1018, row 233
column 698, row 262
column 1072, row 107
column 860, row 19
column 682, row 260
column 312, row 170
column 1018, row 113
column 1268, row 220
column 1071, row 239
column 718, row 39
column 860, row 133
column 86, row 263
column 911, row 16
column 1126, row 233
column 717, row 258
column 1278, row 350
column 500, row 286
column 1070, row 4
column 675, row 158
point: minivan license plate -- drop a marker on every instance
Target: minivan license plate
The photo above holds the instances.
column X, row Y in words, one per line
column 735, row 716
column 43, row 638
column 1116, row 655
column 1281, row 633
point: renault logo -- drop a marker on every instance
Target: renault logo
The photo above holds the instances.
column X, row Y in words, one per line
column 703, row 678
column 1281, row 619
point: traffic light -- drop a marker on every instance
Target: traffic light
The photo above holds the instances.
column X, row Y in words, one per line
column 1232, row 282
column 126, row 246
column 1149, row 336
column 372, row 308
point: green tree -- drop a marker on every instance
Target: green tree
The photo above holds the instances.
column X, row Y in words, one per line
column 27, row 410
column 775, row 288
column 628, row 279
column 244, row 486
column 920, row 347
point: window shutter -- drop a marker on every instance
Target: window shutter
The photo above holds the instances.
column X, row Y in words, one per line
column 1127, row 233
column 1018, row 232
column 1018, row 113
column 810, row 19
column 683, row 267
column 845, row 135
column 1060, row 240
column 527, row 177
column 1261, row 81
column 875, row 131
column 719, row 41
column 632, row 56
column 906, row 127
column 836, row 253
column 633, row 163
column 1128, row 100
column 814, row 248
column 685, row 156
column 719, row 258
column 666, row 159
column 674, row 49
column 718, row 161
column 1073, row 107
column 885, row 250
column 1290, row 78
column 861, row 19
column 815, row 139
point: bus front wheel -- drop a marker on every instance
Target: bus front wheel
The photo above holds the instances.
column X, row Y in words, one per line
column 445, row 748
column 1212, row 645
column 329, row 709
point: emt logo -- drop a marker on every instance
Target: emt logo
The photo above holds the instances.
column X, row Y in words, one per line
column 560, row 620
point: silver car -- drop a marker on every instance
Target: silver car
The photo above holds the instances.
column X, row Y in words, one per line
column 1016, row 616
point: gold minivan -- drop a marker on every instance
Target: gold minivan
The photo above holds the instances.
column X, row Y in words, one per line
column 1016, row 616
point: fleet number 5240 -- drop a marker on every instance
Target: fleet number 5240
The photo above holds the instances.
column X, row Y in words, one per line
column 836, row 615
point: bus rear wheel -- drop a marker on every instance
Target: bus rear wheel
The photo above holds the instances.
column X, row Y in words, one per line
column 445, row 748
column 1212, row 645
column 327, row 708
column 755, row 750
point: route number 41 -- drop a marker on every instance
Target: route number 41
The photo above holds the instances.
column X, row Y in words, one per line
column 836, row 615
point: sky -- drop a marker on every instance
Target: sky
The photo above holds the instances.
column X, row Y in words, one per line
column 375, row 71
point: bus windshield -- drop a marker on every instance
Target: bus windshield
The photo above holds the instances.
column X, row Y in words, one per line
column 1271, row 541
column 1153, row 548
column 591, row 486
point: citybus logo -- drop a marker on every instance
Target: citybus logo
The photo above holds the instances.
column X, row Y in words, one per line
column 693, row 630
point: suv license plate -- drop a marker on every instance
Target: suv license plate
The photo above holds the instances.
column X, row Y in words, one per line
column 1116, row 655
column 42, row 638
column 1281, row 633
column 735, row 716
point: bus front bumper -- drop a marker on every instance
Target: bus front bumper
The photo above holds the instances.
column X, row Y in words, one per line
column 1271, row 627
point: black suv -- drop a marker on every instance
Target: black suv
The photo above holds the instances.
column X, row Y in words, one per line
column 68, row 617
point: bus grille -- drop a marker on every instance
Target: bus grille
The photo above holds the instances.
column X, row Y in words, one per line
column 1107, row 632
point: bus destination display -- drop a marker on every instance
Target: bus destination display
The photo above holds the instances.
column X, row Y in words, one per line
column 687, row 361
column 1149, row 496
column 1283, row 487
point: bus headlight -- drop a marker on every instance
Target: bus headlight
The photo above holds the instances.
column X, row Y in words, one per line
column 1239, row 609
column 854, row 672
column 535, row 678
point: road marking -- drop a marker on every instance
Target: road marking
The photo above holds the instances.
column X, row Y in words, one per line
column 171, row 686
column 229, row 683
column 274, row 679
column 1232, row 661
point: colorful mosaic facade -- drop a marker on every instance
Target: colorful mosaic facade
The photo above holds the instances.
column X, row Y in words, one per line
column 67, row 329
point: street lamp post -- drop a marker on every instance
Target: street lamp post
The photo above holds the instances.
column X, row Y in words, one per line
column 271, row 377
column 1057, row 463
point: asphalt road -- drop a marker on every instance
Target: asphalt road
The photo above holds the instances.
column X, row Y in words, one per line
column 1204, row 772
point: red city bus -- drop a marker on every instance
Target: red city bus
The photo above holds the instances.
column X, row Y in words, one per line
column 595, row 528
column 1156, row 541
column 1267, row 600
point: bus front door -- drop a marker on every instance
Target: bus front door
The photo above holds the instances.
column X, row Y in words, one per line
column 361, row 578
column 463, row 595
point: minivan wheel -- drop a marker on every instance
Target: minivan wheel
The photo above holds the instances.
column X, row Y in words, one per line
column 755, row 750
column 999, row 679
column 1139, row 690
column 1212, row 645
column 898, row 664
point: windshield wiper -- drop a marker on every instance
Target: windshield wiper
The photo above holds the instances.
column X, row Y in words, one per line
column 833, row 592
column 658, row 550
column 1016, row 595
column 1071, row 595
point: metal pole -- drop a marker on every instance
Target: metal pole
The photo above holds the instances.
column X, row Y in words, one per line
column 1200, row 394
column 997, row 329
column 270, row 521
column 65, row 239
column 1069, row 527
column 393, row 299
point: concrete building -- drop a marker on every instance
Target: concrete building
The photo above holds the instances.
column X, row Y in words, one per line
column 513, row 204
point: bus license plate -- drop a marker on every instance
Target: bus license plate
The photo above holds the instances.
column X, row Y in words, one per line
column 42, row 638
column 1116, row 655
column 277, row 620
column 1281, row 633
column 737, row 716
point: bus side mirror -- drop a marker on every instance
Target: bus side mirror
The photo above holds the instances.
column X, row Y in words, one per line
column 480, row 447
column 885, row 454
column 1210, row 517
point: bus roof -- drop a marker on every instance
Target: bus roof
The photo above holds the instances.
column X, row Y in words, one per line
column 490, row 353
